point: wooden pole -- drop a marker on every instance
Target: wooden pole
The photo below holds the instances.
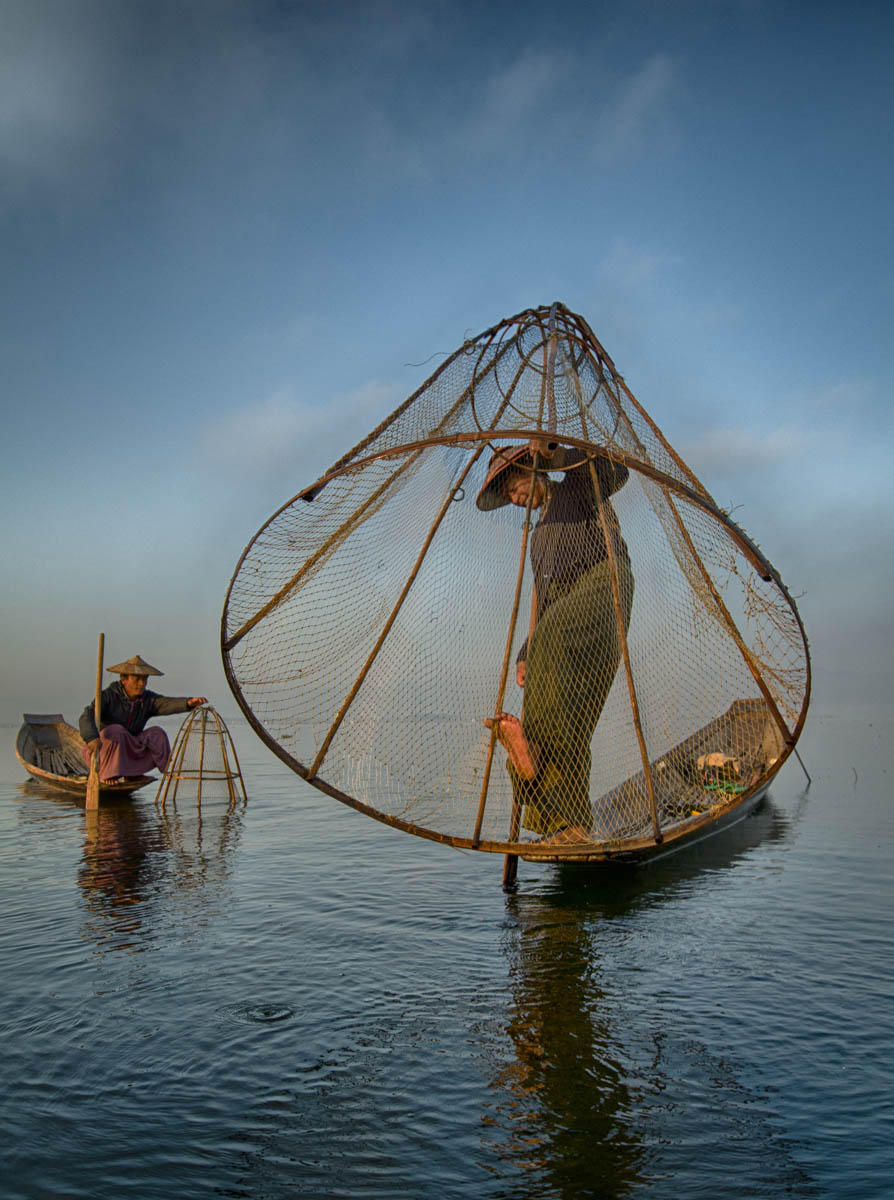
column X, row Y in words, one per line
column 347, row 526
column 625, row 653
column 234, row 772
column 803, row 768
column 380, row 641
column 311, row 772
column 93, row 778
column 607, row 534
column 761, row 568
column 201, row 761
column 510, row 862
column 171, row 773
column 501, row 690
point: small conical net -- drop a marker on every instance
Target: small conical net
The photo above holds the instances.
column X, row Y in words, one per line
column 203, row 762
column 379, row 617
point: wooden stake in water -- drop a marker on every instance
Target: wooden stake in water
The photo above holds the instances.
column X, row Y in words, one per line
column 93, row 779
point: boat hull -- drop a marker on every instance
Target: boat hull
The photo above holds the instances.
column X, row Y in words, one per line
column 651, row 851
column 50, row 751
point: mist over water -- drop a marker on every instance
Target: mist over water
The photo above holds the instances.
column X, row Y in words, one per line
column 291, row 999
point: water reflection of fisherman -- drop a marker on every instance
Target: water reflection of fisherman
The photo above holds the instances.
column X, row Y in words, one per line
column 119, row 867
column 141, row 867
column 564, row 1100
column 571, row 1109
column 568, row 663
column 126, row 748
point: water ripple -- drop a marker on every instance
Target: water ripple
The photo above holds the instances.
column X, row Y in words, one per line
column 294, row 1000
column 258, row 1013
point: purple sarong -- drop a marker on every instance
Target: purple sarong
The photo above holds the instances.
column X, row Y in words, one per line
column 123, row 753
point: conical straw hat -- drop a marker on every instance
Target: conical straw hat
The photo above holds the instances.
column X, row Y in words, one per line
column 492, row 494
column 134, row 666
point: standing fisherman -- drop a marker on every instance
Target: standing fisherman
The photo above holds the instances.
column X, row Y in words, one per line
column 126, row 747
column 569, row 662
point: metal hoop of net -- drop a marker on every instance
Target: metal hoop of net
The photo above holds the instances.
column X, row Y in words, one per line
column 375, row 620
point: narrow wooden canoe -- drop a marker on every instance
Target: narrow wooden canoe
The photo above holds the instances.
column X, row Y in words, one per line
column 696, row 793
column 50, row 750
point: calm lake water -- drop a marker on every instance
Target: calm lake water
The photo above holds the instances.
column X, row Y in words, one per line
column 295, row 1000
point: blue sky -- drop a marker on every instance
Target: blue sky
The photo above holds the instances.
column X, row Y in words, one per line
column 234, row 233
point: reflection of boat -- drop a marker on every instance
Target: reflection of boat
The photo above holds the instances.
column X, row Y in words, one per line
column 704, row 784
column 50, row 750
column 625, row 885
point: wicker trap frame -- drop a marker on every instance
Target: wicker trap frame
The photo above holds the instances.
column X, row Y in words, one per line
column 203, row 755
column 375, row 620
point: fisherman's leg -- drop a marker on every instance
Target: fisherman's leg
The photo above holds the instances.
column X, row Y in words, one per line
column 595, row 645
column 112, row 741
column 537, row 815
column 123, row 754
column 552, row 801
column 156, row 743
column 573, row 658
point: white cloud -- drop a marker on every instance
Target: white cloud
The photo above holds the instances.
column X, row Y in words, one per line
column 281, row 432
column 513, row 94
column 733, row 450
column 52, row 63
column 629, row 264
column 848, row 402
column 543, row 88
column 636, row 103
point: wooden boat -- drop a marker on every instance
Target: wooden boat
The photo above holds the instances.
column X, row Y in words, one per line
column 50, row 750
column 372, row 626
column 704, row 784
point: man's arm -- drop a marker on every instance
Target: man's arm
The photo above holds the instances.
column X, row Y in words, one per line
column 164, row 706
column 610, row 476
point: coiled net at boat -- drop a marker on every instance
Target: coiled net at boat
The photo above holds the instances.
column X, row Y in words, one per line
column 374, row 621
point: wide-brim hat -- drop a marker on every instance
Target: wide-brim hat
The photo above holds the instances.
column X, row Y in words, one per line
column 134, row 666
column 492, row 494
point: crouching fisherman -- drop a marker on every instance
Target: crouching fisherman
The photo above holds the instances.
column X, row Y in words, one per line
column 126, row 748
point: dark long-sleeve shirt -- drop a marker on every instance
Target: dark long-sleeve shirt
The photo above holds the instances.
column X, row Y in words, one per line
column 116, row 708
column 568, row 539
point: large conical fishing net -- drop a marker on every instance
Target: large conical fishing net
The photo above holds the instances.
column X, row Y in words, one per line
column 376, row 620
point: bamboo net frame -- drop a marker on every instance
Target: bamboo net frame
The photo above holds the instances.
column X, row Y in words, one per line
column 203, row 754
column 372, row 623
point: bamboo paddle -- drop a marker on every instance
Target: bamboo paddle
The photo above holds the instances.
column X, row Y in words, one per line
column 93, row 778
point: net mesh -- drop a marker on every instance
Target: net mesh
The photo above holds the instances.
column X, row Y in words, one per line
column 376, row 620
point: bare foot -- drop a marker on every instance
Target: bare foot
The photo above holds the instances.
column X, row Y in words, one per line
column 571, row 835
column 512, row 739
